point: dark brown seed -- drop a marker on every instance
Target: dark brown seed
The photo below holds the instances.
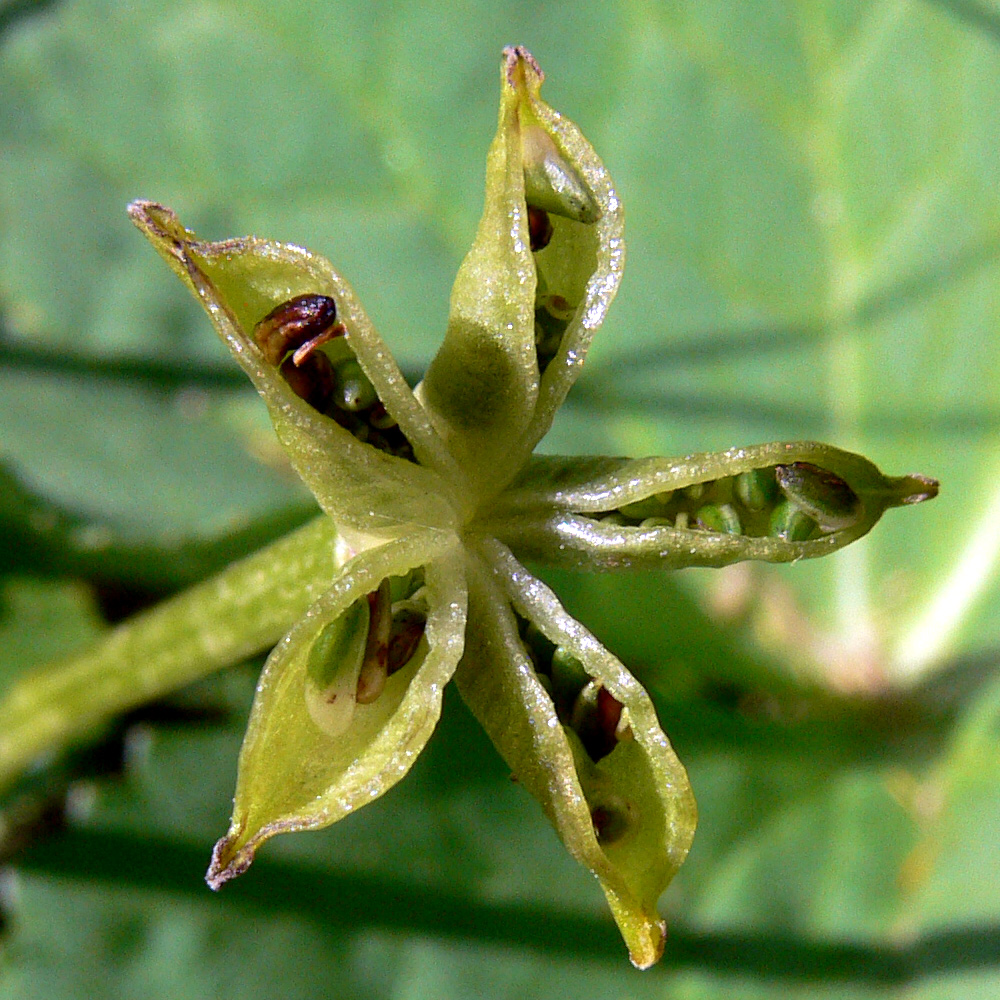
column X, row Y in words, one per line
column 595, row 716
column 539, row 228
column 407, row 630
column 379, row 418
column 610, row 824
column 304, row 321
column 311, row 381
column 374, row 667
column 609, row 714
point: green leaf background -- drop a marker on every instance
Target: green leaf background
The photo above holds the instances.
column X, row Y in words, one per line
column 813, row 203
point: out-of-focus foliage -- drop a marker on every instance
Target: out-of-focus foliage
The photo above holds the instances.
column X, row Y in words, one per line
column 814, row 227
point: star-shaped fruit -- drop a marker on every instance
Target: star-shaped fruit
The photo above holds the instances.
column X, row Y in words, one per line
column 432, row 500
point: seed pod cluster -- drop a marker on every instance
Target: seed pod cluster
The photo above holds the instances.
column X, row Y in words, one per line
column 353, row 657
column 304, row 340
column 795, row 502
column 558, row 201
column 595, row 722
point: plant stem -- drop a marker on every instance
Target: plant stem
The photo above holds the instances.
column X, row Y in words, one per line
column 237, row 613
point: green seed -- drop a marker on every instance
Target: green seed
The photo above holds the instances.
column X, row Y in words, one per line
column 656, row 522
column 541, row 289
column 594, row 717
column 549, row 332
column 825, row 497
column 695, row 491
column 551, row 182
column 614, row 518
column 380, row 418
column 539, row 644
column 546, row 683
column 584, row 708
column 568, row 676
column 721, row 517
column 333, row 667
column 353, row 391
column 647, row 507
column 406, row 586
column 790, row 523
column 756, row 489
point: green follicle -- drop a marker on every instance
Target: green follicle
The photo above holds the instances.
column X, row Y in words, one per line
column 825, row 497
column 331, row 726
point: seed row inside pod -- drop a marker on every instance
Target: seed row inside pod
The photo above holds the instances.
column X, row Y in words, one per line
column 559, row 204
column 594, row 721
column 794, row 502
column 304, row 340
column 352, row 658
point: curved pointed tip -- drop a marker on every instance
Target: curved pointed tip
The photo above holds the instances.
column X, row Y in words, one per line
column 160, row 225
column 148, row 214
column 914, row 489
column 228, row 861
column 516, row 58
column 648, row 950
